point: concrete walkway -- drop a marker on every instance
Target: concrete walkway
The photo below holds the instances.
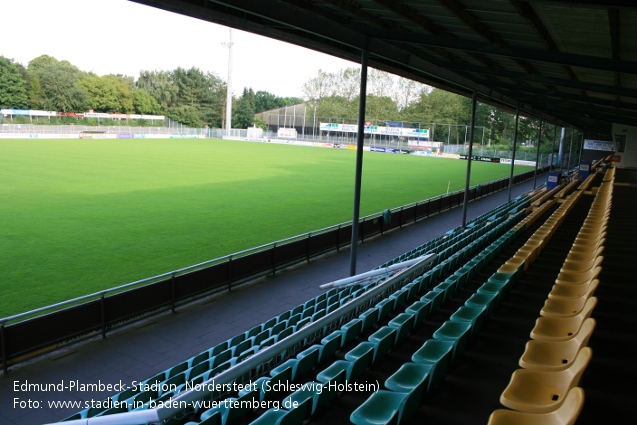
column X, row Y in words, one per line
column 149, row 347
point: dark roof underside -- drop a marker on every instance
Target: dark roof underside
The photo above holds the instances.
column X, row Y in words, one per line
column 571, row 62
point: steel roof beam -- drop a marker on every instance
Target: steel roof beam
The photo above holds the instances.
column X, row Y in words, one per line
column 560, row 82
column 472, row 22
column 562, row 58
column 526, row 11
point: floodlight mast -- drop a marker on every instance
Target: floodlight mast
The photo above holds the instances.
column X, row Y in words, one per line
column 229, row 85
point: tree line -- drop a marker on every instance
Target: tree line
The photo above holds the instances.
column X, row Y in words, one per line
column 197, row 99
column 334, row 97
column 189, row 96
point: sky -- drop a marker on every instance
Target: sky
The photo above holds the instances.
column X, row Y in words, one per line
column 122, row 37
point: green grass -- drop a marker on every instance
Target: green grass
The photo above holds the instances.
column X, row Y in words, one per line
column 79, row 216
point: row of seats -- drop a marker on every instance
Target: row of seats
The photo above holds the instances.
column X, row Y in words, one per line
column 219, row 358
column 540, row 238
column 357, row 359
column 405, row 388
column 380, row 342
column 474, row 228
column 545, row 391
column 430, row 362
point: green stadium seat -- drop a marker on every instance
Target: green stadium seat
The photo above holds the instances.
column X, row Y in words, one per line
column 302, row 364
column 447, row 288
column 242, row 347
column 250, row 334
column 197, row 370
column 274, row 330
column 350, row 331
column 409, row 377
column 386, row 407
column 482, row 300
column 457, row 332
column 199, row 358
column 420, row 309
column 383, row 340
column 308, row 312
column 285, row 333
column 400, row 296
column 321, row 305
column 433, row 297
column 385, row 307
column 319, row 314
column 236, row 340
column 436, row 353
column 353, row 369
column 369, row 317
column 220, row 358
column 218, row 349
column 265, row 382
column 473, row 315
column 403, row 323
column 330, row 345
column 175, row 370
column 260, row 337
column 294, row 319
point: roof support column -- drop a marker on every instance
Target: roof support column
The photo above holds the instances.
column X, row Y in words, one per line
column 469, row 155
column 515, row 143
column 553, row 147
column 570, row 150
column 359, row 162
column 537, row 155
column 560, row 154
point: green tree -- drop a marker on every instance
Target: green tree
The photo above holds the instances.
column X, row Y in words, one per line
column 41, row 62
column 144, row 103
column 159, row 84
column 187, row 115
column 101, row 93
column 380, row 108
column 439, row 106
column 188, row 95
column 36, row 100
column 265, row 101
column 13, row 88
column 60, row 90
column 243, row 114
column 289, row 101
column 124, row 87
column 336, row 108
column 258, row 122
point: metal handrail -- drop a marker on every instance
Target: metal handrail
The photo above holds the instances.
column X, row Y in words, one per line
column 198, row 265
column 263, row 357
column 173, row 273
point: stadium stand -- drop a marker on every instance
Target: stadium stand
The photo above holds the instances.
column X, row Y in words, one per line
column 425, row 341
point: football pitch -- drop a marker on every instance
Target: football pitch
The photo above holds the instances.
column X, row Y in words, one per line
column 79, row 216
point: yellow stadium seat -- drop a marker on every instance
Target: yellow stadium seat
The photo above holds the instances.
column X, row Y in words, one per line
column 552, row 356
column 543, row 392
column 562, row 329
column 566, row 414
